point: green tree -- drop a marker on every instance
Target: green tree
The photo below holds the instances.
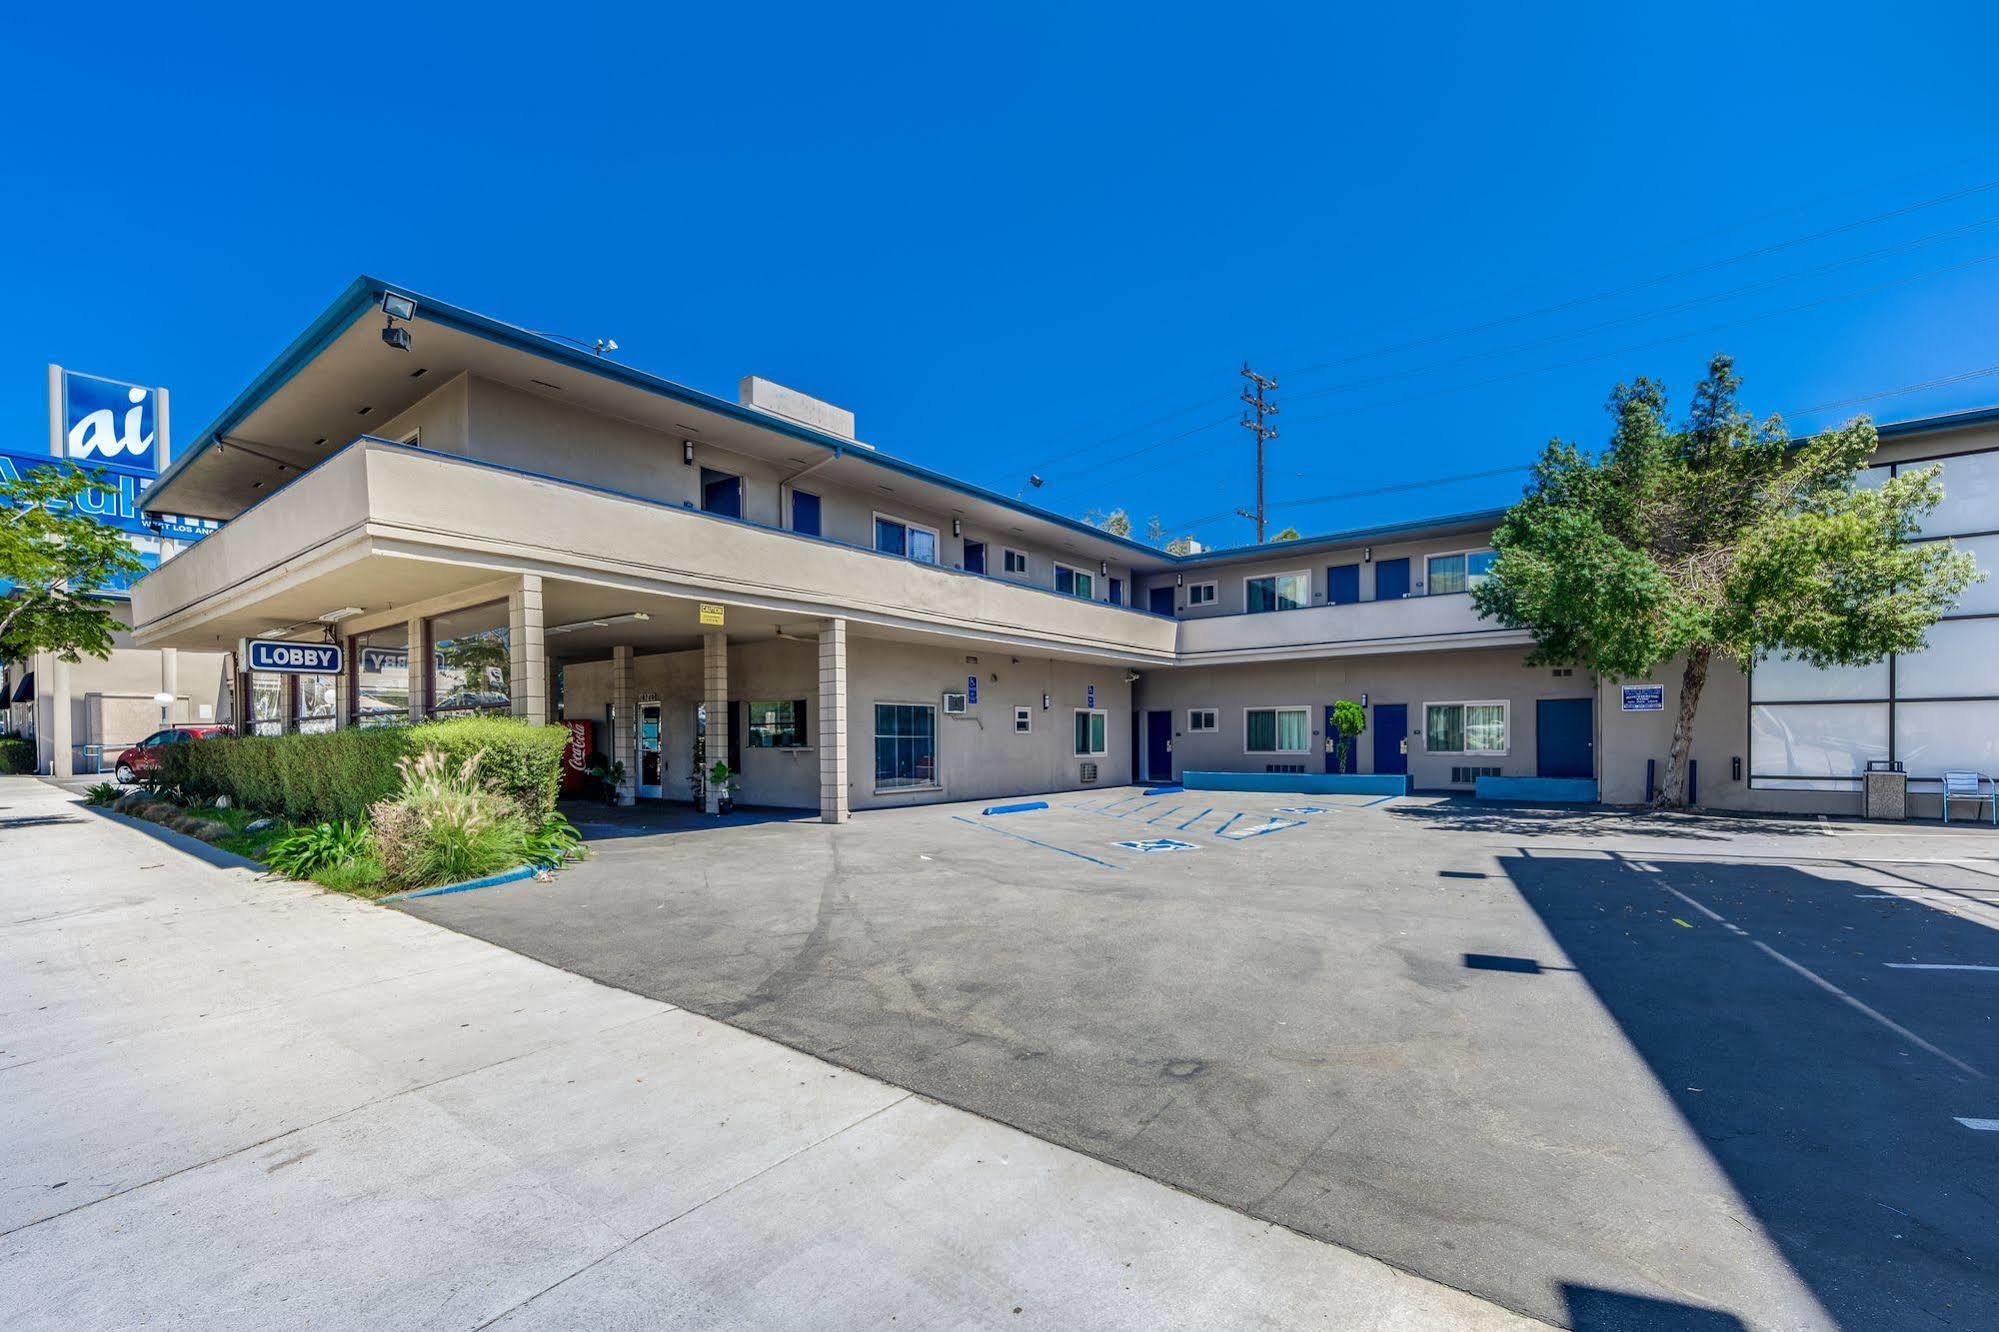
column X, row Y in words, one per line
column 1349, row 720
column 1117, row 522
column 1288, row 534
column 53, row 558
column 1721, row 538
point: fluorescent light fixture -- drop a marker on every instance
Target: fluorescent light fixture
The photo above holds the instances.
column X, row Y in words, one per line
column 600, row 623
column 336, row 616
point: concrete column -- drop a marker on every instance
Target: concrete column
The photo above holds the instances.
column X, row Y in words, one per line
column 61, row 762
column 528, row 649
column 419, row 671
column 625, row 723
column 833, row 721
column 715, row 693
column 170, row 683
column 344, row 692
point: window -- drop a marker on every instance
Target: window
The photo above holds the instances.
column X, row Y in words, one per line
column 776, row 725
column 1014, row 562
column 472, row 664
column 1114, row 592
column 267, row 703
column 893, row 536
column 1023, row 720
column 1276, row 592
column 382, row 679
column 1089, row 732
column 1276, row 730
column 318, row 703
column 975, row 557
column 1203, row 719
column 1075, row 583
column 805, row 514
column 1459, row 572
column 905, row 745
column 1200, row 594
column 721, row 493
column 1464, row 728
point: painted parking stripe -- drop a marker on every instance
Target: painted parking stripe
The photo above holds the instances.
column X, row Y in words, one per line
column 1225, row 827
column 1167, row 815
column 1939, row 966
column 1197, row 818
column 1978, row 1125
column 1259, row 829
column 1018, row 837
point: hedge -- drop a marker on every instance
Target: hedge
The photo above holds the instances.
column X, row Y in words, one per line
column 338, row 774
column 16, row 754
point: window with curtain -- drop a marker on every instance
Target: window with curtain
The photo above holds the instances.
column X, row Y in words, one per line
column 1075, row 583
column 1089, row 733
column 267, row 703
column 896, row 537
column 472, row 664
column 1276, row 730
column 1465, row 728
column 318, row 701
column 1459, row 572
column 905, row 745
column 1276, row 592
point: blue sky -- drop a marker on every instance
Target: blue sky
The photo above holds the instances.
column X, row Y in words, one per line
column 1005, row 237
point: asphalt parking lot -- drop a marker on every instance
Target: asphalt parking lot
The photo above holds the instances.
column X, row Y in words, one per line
column 1614, row 1072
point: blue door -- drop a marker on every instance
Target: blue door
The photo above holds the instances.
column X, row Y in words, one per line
column 1160, row 600
column 1391, row 579
column 1158, row 746
column 1332, row 736
column 1343, row 584
column 1391, row 729
column 1563, row 744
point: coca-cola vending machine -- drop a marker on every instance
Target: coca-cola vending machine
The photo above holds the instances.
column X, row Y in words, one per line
column 576, row 755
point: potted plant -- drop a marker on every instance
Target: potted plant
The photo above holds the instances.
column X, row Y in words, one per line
column 723, row 779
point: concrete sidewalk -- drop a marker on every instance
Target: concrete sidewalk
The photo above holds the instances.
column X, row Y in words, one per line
column 249, row 1104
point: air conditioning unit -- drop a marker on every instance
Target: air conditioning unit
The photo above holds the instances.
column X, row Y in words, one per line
column 1467, row 776
column 1089, row 773
column 954, row 704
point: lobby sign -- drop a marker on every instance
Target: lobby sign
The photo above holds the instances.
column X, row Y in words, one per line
column 276, row 656
column 1645, row 698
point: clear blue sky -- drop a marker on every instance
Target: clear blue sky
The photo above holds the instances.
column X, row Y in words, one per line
column 1002, row 238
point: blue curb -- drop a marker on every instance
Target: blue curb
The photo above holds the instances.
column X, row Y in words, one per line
column 490, row 881
column 1164, row 790
column 1021, row 808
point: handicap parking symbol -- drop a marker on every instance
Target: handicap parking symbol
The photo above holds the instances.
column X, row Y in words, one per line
column 1303, row 809
column 1157, row 844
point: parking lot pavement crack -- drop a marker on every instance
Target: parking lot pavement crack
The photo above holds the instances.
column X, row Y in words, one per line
column 688, row 1211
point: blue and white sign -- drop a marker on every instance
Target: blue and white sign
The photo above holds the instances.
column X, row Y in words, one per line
column 109, row 423
column 275, row 656
column 1645, row 698
column 1090, row 696
column 1150, row 844
column 971, row 690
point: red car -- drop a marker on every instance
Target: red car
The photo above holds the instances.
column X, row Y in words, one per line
column 135, row 763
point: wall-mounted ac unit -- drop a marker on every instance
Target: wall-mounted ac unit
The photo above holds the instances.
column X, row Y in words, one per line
column 954, row 704
column 1089, row 773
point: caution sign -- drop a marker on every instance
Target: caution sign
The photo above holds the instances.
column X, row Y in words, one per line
column 711, row 614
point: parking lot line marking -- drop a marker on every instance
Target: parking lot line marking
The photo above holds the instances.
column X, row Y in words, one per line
column 1939, row 966
column 1267, row 826
column 1382, row 801
column 1132, row 813
column 1225, row 827
column 1168, row 814
column 1198, row 817
column 1033, row 842
column 1978, row 1125
column 1821, row 981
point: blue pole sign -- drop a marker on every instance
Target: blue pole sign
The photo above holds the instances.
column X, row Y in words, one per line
column 109, row 423
column 1645, row 698
column 276, row 656
column 971, row 690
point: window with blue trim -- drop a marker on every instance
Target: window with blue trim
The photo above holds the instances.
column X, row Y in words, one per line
column 905, row 745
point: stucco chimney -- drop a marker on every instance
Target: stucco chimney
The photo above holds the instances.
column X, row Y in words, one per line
column 766, row 396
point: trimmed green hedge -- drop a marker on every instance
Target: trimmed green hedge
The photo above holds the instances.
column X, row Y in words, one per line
column 16, row 754
column 339, row 774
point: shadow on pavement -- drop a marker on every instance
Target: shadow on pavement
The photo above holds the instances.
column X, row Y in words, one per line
column 1464, row 814
column 599, row 822
column 1836, row 1129
column 1592, row 1309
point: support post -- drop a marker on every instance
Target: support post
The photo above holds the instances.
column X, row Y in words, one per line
column 62, row 763
column 169, row 683
column 625, row 723
column 528, row 686
column 715, row 694
column 419, row 671
column 833, row 721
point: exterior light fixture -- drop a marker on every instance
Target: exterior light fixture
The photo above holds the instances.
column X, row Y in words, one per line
column 1035, row 481
column 1367, row 554
column 336, row 616
column 1179, row 580
column 601, row 622
column 397, row 307
column 1044, row 702
column 687, row 451
column 956, row 530
column 1103, row 568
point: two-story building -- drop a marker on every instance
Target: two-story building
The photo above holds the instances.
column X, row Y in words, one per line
column 490, row 519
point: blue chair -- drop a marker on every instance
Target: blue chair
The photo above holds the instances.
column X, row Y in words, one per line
column 1974, row 786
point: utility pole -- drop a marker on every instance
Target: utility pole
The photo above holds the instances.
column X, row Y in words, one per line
column 1264, row 409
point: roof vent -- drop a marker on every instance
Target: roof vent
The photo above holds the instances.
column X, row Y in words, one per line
column 776, row 400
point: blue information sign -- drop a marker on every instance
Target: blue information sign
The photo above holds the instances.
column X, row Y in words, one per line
column 275, row 656
column 971, row 690
column 1645, row 698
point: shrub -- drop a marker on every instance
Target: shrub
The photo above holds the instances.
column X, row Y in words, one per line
column 103, row 793
column 338, row 776
column 303, row 853
column 555, row 841
column 17, row 754
column 446, row 825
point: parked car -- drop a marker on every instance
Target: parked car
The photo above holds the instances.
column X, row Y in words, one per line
column 137, row 762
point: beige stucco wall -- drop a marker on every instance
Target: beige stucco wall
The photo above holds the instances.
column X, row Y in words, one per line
column 111, row 699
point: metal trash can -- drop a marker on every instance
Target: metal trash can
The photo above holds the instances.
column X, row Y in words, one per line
column 1887, row 794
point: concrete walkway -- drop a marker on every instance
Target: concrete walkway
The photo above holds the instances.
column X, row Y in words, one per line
column 249, row 1104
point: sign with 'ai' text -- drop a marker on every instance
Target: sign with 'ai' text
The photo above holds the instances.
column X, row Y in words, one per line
column 276, row 656
column 107, row 423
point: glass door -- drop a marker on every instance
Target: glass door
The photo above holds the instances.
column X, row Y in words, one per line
column 652, row 768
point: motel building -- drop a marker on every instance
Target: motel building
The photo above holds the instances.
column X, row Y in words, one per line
column 479, row 518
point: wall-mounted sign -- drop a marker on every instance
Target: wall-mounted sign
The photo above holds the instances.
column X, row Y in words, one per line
column 107, row 423
column 711, row 613
column 971, row 689
column 1090, row 696
column 1645, row 698
column 275, row 656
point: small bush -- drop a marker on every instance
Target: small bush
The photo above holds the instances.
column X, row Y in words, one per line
column 304, row 853
column 103, row 793
column 446, row 826
column 555, row 841
column 17, row 754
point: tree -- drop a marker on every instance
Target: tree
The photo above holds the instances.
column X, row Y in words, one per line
column 1349, row 720
column 1117, row 522
column 1288, row 534
column 1720, row 539
column 53, row 558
